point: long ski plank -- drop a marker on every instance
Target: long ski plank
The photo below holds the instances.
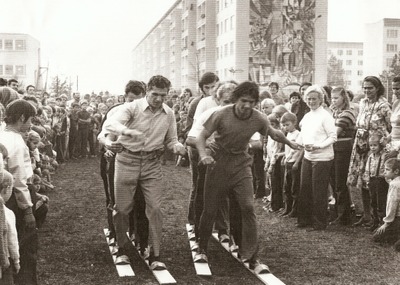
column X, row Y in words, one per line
column 162, row 276
column 123, row 270
column 266, row 278
column 201, row 268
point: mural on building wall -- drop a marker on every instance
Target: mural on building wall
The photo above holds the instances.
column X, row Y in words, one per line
column 281, row 40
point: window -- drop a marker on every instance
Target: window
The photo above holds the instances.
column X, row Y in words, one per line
column 360, row 52
column 349, row 52
column 226, row 50
column 217, row 29
column 348, row 62
column 391, row 48
column 20, row 69
column 348, row 72
column 231, row 48
column 359, row 72
column 20, row 45
column 392, row 33
column 9, row 70
column 217, row 6
column 348, row 83
column 340, row 62
column 232, row 22
column 8, row 44
column 1, row 69
column 226, row 25
column 217, row 52
column 389, row 62
column 340, row 52
column 360, row 62
column 1, row 44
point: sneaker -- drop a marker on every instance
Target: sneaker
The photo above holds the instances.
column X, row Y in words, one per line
column 258, row 267
column 200, row 256
column 223, row 238
column 122, row 257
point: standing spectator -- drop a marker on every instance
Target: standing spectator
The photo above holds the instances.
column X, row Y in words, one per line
column 13, row 84
column 84, row 121
column 76, row 97
column 73, row 130
column 19, row 116
column 30, row 90
column 274, row 89
column 345, row 121
column 300, row 107
column 318, row 134
column 374, row 117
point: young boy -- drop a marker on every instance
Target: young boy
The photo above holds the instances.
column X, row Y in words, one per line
column 292, row 163
column 40, row 202
column 390, row 230
column 374, row 178
column 273, row 167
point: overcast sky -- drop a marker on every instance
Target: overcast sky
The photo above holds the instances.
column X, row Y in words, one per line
column 93, row 39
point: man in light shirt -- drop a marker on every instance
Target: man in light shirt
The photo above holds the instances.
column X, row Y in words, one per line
column 143, row 128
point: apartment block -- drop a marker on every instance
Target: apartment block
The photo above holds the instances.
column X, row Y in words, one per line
column 260, row 40
column 19, row 58
column 350, row 54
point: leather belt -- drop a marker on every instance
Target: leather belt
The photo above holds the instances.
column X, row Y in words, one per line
column 142, row 153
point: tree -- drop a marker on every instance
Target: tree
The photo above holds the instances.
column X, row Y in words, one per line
column 387, row 75
column 60, row 86
column 335, row 72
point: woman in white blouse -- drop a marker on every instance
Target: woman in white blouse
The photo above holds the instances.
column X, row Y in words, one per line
column 318, row 134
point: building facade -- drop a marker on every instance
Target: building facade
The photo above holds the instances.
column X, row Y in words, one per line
column 381, row 43
column 350, row 54
column 19, row 58
column 259, row 40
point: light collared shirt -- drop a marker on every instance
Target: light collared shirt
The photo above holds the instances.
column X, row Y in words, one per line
column 159, row 128
column 393, row 201
column 19, row 165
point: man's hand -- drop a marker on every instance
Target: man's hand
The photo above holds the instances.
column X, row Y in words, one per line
column 295, row 145
column 17, row 267
column 134, row 134
column 382, row 229
column 207, row 160
column 179, row 149
column 114, row 146
column 29, row 219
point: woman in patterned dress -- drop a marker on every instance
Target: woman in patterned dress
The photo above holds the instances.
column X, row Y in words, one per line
column 374, row 117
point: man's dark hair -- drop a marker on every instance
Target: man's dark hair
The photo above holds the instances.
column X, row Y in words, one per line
column 304, row 84
column 246, row 88
column 207, row 78
column 3, row 82
column 158, row 81
column 134, row 86
column 11, row 81
column 274, row 84
column 31, row 98
column 396, row 79
column 16, row 109
column 27, row 87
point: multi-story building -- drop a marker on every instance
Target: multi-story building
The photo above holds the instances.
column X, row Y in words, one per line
column 19, row 58
column 350, row 54
column 382, row 42
column 282, row 41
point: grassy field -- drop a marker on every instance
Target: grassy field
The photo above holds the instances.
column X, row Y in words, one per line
column 73, row 248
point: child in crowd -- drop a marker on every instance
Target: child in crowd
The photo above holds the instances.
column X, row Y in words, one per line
column 273, row 167
column 374, row 179
column 39, row 201
column 9, row 252
column 292, row 165
column 294, row 97
column 390, row 230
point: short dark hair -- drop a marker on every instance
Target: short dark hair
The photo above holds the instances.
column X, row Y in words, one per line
column 16, row 109
column 11, row 81
column 273, row 84
column 295, row 94
column 3, row 82
column 158, row 81
column 377, row 83
column 27, row 87
column 396, row 79
column 304, row 84
column 246, row 88
column 207, row 78
column 393, row 163
column 134, row 86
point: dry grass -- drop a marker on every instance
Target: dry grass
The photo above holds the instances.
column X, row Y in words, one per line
column 73, row 248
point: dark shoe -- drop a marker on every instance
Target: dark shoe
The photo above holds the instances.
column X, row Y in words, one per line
column 361, row 222
column 258, row 267
column 200, row 256
column 303, row 225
